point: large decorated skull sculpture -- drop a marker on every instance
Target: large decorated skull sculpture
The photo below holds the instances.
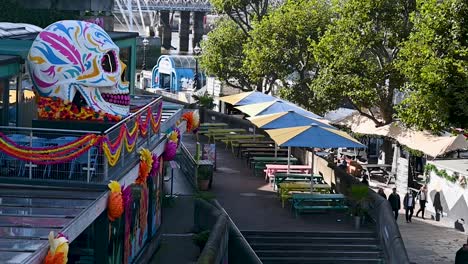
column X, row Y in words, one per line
column 77, row 73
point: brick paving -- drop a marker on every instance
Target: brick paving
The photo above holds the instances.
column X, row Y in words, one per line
column 427, row 241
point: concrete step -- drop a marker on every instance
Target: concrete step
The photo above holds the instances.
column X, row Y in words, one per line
column 320, row 260
column 313, row 240
column 321, row 246
column 311, row 234
column 318, row 253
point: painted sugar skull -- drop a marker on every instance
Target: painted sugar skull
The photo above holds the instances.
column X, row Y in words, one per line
column 77, row 64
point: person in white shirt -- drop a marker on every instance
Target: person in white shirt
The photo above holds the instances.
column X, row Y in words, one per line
column 422, row 200
column 408, row 203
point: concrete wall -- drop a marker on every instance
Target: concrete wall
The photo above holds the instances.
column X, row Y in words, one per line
column 453, row 196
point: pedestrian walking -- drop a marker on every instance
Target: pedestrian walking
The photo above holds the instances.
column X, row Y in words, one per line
column 438, row 206
column 382, row 193
column 395, row 202
column 422, row 196
column 408, row 203
column 462, row 254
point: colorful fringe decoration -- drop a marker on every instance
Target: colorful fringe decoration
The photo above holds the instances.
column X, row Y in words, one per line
column 49, row 155
column 115, row 204
column 72, row 150
column 58, row 251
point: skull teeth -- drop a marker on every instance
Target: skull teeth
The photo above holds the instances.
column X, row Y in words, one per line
column 119, row 99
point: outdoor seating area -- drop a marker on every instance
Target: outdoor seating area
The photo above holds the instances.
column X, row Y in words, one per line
column 290, row 180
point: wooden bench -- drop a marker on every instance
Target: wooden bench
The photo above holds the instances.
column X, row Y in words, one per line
column 307, row 202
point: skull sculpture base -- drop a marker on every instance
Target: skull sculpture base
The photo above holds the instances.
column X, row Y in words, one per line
column 54, row 108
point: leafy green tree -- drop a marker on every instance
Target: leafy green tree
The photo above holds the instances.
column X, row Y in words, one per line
column 223, row 54
column 357, row 56
column 435, row 62
column 278, row 50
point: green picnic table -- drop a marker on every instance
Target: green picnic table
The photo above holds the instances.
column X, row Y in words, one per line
column 231, row 138
column 318, row 202
column 251, row 151
column 204, row 127
column 240, row 144
column 294, row 177
column 213, row 125
column 272, row 160
column 222, row 133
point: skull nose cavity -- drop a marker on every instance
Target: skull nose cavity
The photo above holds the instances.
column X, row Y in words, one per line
column 109, row 62
column 118, row 99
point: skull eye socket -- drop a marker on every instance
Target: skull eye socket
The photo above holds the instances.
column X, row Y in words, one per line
column 109, row 62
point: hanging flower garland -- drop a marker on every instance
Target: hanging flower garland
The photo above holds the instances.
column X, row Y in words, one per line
column 54, row 108
column 155, row 167
column 146, row 164
column 127, row 198
column 193, row 121
column 58, row 249
column 115, row 203
column 173, row 141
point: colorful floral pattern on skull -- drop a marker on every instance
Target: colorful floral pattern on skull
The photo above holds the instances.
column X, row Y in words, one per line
column 78, row 62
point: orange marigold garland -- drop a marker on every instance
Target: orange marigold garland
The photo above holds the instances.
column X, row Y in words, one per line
column 192, row 119
column 115, row 206
column 146, row 163
column 57, row 109
column 58, row 251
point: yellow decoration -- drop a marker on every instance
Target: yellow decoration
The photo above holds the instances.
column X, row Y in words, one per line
column 173, row 136
column 58, row 251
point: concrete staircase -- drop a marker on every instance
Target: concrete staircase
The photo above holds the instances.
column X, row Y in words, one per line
column 334, row 247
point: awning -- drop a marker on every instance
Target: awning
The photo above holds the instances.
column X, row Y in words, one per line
column 423, row 141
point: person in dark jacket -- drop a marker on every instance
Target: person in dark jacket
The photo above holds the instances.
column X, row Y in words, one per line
column 408, row 203
column 462, row 254
column 438, row 206
column 395, row 202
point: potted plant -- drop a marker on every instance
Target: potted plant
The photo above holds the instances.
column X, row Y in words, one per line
column 205, row 100
column 359, row 194
column 201, row 238
column 204, row 176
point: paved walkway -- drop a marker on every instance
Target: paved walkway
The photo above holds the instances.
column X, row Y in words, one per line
column 176, row 244
column 427, row 241
column 253, row 205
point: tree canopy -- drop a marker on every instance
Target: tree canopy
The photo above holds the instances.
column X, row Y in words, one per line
column 223, row 56
column 357, row 57
column 279, row 48
column 358, row 53
column 435, row 62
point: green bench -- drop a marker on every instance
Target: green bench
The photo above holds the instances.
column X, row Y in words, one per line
column 307, row 202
